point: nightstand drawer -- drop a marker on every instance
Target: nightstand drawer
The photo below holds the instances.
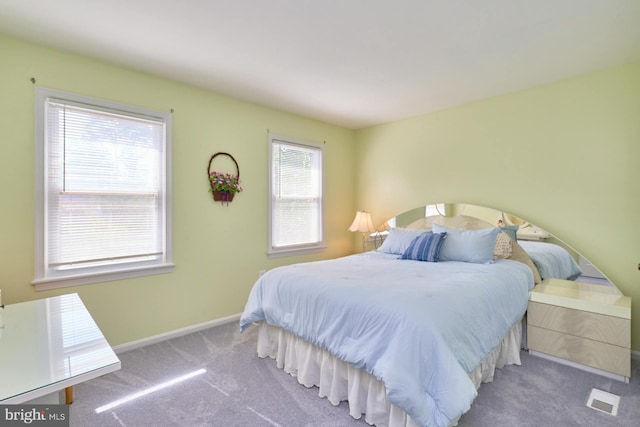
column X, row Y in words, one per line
column 598, row 327
column 596, row 354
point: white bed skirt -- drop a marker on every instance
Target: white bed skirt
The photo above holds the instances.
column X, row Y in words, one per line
column 339, row 381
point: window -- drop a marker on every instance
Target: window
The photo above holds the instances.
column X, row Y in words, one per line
column 295, row 202
column 102, row 190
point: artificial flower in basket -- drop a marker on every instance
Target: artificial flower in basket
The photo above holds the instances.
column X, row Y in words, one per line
column 224, row 186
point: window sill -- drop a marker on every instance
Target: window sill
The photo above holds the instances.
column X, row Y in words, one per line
column 87, row 279
column 294, row 251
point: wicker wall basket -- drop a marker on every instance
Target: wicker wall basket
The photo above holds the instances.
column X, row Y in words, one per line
column 215, row 178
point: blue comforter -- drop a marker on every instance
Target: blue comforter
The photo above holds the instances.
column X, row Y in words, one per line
column 420, row 327
column 551, row 260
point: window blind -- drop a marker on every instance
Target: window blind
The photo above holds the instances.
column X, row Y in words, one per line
column 296, row 195
column 103, row 186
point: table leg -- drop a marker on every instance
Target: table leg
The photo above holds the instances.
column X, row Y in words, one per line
column 68, row 395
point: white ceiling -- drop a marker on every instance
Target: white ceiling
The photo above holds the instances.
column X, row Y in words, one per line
column 353, row 63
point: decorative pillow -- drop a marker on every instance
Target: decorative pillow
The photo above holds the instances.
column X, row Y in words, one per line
column 468, row 245
column 399, row 240
column 512, row 231
column 503, row 247
column 425, row 247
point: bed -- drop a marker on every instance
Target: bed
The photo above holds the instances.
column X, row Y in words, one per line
column 406, row 341
column 551, row 260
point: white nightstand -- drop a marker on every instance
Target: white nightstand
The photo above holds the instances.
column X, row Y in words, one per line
column 581, row 324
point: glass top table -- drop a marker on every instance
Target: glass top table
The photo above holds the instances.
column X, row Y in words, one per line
column 48, row 345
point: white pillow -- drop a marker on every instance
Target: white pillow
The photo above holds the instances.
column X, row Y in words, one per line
column 399, row 240
column 467, row 245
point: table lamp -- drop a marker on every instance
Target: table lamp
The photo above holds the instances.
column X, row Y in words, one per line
column 362, row 223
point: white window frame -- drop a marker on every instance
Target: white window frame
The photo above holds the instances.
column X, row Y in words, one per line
column 48, row 278
column 273, row 251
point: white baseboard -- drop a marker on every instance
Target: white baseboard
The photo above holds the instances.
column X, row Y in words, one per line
column 175, row 333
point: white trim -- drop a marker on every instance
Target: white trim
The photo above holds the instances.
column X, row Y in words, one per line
column 100, row 104
column 64, row 282
column 580, row 366
column 300, row 251
column 176, row 333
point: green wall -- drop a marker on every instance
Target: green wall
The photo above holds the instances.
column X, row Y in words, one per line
column 218, row 250
column 565, row 156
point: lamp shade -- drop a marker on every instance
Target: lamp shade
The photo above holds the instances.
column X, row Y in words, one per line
column 362, row 223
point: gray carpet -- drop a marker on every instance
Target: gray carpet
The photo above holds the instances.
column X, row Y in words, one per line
column 239, row 389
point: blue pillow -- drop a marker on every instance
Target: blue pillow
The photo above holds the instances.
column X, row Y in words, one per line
column 468, row 245
column 399, row 240
column 425, row 247
column 512, row 231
